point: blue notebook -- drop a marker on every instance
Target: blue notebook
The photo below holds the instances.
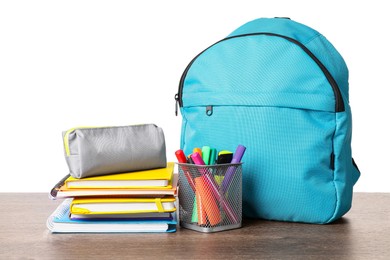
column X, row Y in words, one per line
column 60, row 222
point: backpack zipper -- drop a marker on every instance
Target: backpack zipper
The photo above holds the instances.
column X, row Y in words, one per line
column 339, row 107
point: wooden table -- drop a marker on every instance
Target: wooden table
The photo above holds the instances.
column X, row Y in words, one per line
column 363, row 233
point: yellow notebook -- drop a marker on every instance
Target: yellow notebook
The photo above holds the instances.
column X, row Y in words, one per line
column 122, row 205
column 156, row 178
column 154, row 192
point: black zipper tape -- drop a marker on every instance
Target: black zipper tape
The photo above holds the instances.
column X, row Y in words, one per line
column 339, row 106
column 332, row 161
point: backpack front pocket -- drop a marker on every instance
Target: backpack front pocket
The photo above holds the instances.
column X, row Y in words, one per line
column 288, row 166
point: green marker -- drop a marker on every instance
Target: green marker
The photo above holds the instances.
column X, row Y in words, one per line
column 206, row 154
column 213, row 156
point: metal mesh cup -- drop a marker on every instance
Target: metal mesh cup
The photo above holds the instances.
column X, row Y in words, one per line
column 210, row 196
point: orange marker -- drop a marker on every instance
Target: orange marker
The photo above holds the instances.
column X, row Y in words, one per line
column 207, row 201
column 197, row 150
column 200, row 205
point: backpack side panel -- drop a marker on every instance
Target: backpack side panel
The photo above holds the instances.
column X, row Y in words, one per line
column 345, row 174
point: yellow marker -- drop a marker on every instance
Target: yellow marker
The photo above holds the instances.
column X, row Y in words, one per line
column 197, row 150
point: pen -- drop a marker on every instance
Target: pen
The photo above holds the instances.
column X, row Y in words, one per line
column 230, row 171
column 54, row 190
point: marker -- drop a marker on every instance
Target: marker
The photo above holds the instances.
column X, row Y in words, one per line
column 213, row 160
column 224, row 152
column 206, row 154
column 207, row 195
column 197, row 150
column 209, row 180
column 189, row 159
column 224, row 157
column 181, row 157
column 213, row 156
column 206, row 200
column 230, row 171
column 201, row 204
column 195, row 213
column 238, row 154
column 197, row 158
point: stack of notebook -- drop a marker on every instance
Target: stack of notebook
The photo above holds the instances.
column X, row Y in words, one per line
column 143, row 201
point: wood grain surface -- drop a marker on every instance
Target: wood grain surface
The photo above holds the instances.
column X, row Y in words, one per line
column 363, row 233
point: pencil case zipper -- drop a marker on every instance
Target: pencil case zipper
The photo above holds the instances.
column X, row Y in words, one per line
column 66, row 136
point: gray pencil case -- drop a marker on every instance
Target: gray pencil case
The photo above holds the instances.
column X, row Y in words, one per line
column 93, row 151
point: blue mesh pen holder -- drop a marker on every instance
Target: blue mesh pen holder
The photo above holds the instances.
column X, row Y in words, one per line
column 210, row 196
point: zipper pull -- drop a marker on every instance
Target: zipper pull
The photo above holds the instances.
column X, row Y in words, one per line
column 177, row 104
column 209, row 110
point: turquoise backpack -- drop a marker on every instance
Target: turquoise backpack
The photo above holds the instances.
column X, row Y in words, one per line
column 281, row 89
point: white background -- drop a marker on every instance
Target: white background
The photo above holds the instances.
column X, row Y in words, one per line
column 72, row 63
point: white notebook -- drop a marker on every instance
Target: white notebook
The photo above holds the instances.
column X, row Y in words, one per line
column 60, row 222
